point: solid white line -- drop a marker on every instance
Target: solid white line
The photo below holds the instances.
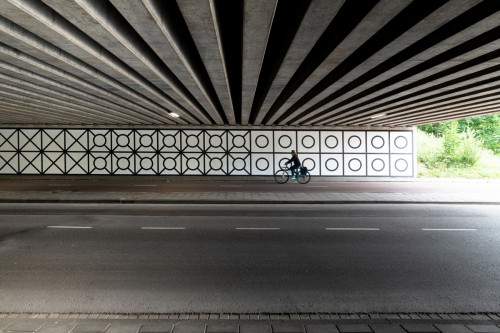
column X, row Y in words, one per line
column 449, row 229
column 258, row 228
column 60, row 185
column 230, row 185
column 145, row 185
column 66, row 227
column 163, row 228
column 353, row 229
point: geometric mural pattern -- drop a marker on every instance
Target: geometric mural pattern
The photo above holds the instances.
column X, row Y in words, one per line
column 204, row 152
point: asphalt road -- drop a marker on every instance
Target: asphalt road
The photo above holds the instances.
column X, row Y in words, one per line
column 241, row 259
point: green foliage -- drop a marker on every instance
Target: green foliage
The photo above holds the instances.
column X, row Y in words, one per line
column 469, row 150
column 453, row 149
column 433, row 129
column 486, row 167
column 467, row 160
column 465, row 148
column 485, row 128
column 451, row 142
column 430, row 151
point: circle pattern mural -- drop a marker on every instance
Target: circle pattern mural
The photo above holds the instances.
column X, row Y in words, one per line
column 309, row 163
column 378, row 164
column 169, row 141
column 178, row 152
column 332, row 164
column 377, row 142
column 123, row 163
column 215, row 141
column 192, row 141
column 99, row 140
column 262, row 164
column 308, row 141
column 122, row 140
column 262, row 141
column 401, row 165
column 239, row 141
column 192, row 163
column 401, row 142
column 216, row 164
column 146, row 163
column 354, row 142
column 355, row 164
column 331, row 142
column 100, row 163
column 146, row 141
column 285, row 141
column 169, row 163
column 239, row 164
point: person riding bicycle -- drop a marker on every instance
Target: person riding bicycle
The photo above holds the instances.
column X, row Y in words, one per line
column 295, row 164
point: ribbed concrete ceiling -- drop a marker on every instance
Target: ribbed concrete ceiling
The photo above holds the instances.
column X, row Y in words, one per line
column 251, row 62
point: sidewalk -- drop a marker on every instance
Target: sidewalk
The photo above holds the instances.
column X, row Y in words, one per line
column 113, row 190
column 253, row 323
column 244, row 198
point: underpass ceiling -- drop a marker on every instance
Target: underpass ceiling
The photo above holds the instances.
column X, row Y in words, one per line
column 253, row 62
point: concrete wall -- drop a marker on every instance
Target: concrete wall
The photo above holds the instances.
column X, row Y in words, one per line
column 329, row 153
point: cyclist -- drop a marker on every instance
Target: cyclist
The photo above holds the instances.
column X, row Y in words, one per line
column 295, row 164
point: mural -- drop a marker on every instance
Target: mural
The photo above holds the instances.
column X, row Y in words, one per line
column 204, row 152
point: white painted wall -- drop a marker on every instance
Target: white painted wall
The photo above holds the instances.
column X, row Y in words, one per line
column 329, row 153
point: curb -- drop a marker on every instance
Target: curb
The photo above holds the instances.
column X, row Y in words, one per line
column 420, row 316
column 242, row 202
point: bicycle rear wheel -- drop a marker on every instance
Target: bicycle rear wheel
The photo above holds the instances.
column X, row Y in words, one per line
column 281, row 176
column 304, row 179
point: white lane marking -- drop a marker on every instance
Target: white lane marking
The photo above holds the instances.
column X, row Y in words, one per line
column 449, row 229
column 145, row 185
column 230, row 185
column 163, row 228
column 258, row 228
column 353, row 229
column 57, row 185
column 66, row 227
column 316, row 186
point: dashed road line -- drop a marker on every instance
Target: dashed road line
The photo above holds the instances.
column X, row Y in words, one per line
column 353, row 229
column 163, row 228
column 67, row 227
column 257, row 228
column 449, row 229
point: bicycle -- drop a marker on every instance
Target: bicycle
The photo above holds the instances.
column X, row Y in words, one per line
column 282, row 175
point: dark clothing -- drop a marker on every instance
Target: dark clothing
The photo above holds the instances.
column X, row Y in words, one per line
column 294, row 160
column 295, row 164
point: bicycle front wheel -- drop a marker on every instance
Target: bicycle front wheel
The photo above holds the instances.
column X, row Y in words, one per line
column 304, row 179
column 281, row 176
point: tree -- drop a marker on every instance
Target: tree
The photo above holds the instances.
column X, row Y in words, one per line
column 485, row 128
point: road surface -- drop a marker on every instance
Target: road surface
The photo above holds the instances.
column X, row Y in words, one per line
column 248, row 259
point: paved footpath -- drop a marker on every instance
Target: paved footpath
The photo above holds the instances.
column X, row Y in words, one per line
column 260, row 191
column 255, row 323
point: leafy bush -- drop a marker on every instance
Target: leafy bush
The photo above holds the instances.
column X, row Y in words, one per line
column 469, row 150
column 453, row 149
column 485, row 128
column 430, row 150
